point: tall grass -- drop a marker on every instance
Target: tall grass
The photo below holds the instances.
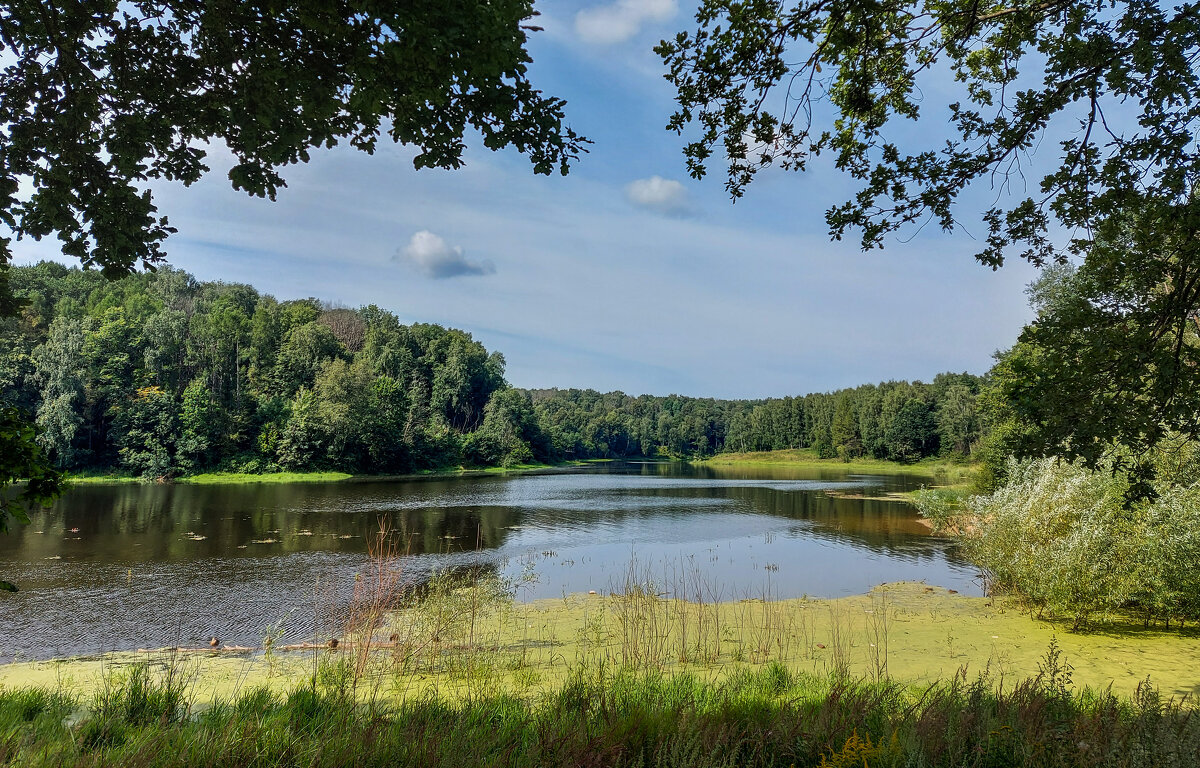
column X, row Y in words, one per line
column 766, row 717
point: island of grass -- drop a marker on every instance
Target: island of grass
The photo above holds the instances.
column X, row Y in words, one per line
column 946, row 472
column 319, row 476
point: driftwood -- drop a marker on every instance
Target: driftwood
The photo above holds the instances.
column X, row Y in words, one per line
column 205, row 649
column 342, row 645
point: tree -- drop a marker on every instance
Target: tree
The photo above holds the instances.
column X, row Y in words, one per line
column 849, row 78
column 844, row 429
column 958, row 420
column 200, row 423
column 166, row 335
column 303, row 353
column 343, row 396
column 300, row 442
column 387, row 445
column 146, row 432
column 99, row 98
column 347, row 326
column 59, row 370
column 1097, row 367
column 510, row 434
column 908, row 428
column 869, row 61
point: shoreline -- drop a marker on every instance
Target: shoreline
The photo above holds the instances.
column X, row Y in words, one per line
column 950, row 474
column 807, row 458
column 917, row 634
column 281, row 478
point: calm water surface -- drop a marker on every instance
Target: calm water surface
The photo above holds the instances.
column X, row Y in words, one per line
column 123, row 567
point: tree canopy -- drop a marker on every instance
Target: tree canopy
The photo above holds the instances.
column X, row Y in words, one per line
column 161, row 375
column 1101, row 365
column 99, row 98
column 1106, row 92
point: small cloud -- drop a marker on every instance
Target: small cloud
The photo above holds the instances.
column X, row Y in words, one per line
column 437, row 260
column 620, row 20
column 657, row 194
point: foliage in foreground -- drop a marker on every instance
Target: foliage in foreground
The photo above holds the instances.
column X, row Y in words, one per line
column 767, row 717
column 1067, row 539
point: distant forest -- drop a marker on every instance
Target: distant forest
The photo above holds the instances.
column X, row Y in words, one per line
column 162, row 375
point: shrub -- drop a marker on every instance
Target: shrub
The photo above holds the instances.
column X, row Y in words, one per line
column 1067, row 539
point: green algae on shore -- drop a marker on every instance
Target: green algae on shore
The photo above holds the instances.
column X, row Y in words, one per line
column 909, row 632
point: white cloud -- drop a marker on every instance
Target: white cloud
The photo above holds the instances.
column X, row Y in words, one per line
column 620, row 20
column 660, row 195
column 436, row 259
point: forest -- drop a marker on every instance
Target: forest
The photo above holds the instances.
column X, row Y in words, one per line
column 161, row 375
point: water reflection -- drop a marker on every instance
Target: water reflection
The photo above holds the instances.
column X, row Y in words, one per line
column 120, row 567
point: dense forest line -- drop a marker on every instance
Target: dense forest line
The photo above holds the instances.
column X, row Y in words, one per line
column 162, row 375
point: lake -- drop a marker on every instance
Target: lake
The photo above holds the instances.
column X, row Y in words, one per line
column 132, row 566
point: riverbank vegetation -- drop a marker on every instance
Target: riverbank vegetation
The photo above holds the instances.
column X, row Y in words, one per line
column 1071, row 542
column 956, row 471
column 1084, row 525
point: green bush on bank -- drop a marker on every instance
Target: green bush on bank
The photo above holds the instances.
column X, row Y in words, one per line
column 1070, row 542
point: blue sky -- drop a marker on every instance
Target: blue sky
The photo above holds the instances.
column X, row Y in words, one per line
column 626, row 274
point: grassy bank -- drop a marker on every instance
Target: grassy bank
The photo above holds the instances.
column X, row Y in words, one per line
column 943, row 471
column 243, row 478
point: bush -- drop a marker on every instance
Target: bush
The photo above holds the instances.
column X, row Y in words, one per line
column 1067, row 539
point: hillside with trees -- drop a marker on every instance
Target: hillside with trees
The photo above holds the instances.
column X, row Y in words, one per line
column 161, row 375
column 896, row 420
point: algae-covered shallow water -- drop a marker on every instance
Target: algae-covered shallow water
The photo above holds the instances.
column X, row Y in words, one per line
column 123, row 567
